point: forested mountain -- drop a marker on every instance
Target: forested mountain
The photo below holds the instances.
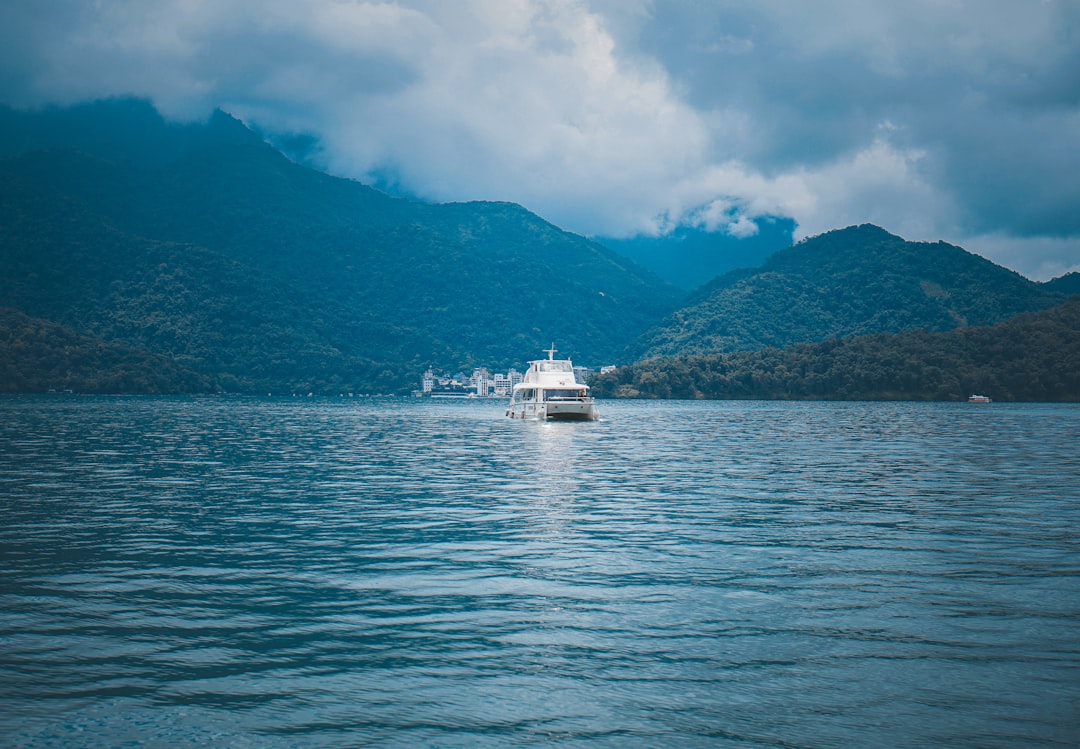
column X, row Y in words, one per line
column 203, row 244
column 843, row 283
column 197, row 257
column 38, row 356
column 1034, row 356
column 1067, row 284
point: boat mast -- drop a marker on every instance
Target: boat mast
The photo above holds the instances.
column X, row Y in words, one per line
column 550, row 351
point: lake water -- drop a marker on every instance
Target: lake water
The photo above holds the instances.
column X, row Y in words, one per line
column 321, row 573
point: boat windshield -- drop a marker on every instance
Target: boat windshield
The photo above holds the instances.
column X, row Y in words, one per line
column 564, row 394
column 549, row 365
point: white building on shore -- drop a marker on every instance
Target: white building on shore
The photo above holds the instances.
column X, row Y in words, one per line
column 480, row 384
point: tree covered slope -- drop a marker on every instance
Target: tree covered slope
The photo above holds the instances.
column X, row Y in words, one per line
column 39, row 356
column 203, row 244
column 1033, row 356
column 847, row 282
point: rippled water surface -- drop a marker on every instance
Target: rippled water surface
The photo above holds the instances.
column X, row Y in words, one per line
column 278, row 573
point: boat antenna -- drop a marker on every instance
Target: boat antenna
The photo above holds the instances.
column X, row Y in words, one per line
column 550, row 351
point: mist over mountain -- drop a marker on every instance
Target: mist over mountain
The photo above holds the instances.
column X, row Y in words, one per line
column 691, row 257
column 206, row 245
column 116, row 130
column 847, row 282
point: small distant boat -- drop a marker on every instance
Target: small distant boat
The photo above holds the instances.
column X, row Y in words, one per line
column 979, row 399
column 549, row 391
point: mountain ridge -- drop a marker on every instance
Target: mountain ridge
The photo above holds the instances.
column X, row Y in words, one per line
column 851, row 281
column 1032, row 356
column 205, row 245
column 268, row 275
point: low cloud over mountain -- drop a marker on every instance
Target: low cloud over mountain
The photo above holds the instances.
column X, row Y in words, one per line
column 952, row 121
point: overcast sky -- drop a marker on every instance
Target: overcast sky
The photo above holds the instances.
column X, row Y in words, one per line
column 936, row 119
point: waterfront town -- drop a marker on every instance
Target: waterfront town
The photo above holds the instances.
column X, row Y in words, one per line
column 481, row 383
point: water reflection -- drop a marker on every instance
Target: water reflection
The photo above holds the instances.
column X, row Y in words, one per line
column 555, row 459
column 273, row 573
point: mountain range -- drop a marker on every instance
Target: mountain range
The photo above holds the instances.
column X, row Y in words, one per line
column 204, row 244
column 145, row 256
column 1033, row 356
column 848, row 282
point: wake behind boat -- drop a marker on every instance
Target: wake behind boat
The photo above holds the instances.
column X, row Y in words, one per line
column 550, row 391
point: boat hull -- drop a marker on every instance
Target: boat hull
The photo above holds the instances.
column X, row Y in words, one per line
column 554, row 411
column 571, row 412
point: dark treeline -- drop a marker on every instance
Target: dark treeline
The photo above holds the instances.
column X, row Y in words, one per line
column 38, row 356
column 1030, row 357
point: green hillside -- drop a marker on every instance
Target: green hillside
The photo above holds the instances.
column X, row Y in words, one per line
column 1066, row 284
column 38, row 356
column 1033, row 356
column 203, row 244
column 847, row 282
column 206, row 252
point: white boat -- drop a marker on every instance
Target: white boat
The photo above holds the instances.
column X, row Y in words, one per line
column 550, row 391
column 978, row 399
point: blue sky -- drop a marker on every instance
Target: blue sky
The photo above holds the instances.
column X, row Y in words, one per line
column 936, row 119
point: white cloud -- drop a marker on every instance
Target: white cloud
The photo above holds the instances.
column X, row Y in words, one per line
column 512, row 101
column 934, row 120
column 1042, row 258
column 742, row 227
column 879, row 184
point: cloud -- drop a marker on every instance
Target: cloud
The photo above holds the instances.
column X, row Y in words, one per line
column 956, row 121
column 938, row 120
column 1042, row 257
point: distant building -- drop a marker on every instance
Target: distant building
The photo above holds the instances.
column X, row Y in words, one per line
column 480, row 383
column 479, row 374
column 441, row 386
